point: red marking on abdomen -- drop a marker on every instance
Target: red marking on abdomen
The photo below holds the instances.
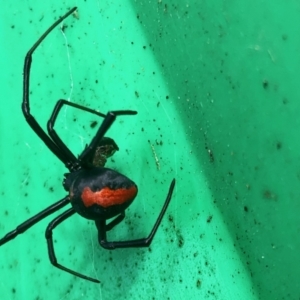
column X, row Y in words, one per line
column 107, row 197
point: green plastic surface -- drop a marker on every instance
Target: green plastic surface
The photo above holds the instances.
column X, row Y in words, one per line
column 216, row 87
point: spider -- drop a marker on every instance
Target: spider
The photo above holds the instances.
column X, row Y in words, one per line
column 94, row 192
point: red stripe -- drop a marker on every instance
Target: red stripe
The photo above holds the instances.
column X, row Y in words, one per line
column 107, row 197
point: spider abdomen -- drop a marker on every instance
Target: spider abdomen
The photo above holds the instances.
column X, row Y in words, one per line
column 101, row 193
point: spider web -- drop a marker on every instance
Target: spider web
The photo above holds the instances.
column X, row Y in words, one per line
column 69, row 61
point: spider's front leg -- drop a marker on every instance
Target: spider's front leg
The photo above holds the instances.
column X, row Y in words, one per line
column 99, row 149
column 26, row 92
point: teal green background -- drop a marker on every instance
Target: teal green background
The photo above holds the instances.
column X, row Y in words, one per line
column 216, row 87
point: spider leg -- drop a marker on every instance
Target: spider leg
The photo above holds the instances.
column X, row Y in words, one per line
column 33, row 220
column 144, row 242
column 115, row 221
column 50, row 244
column 57, row 140
column 26, row 91
column 109, row 118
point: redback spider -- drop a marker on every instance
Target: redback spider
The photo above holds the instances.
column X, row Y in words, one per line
column 95, row 192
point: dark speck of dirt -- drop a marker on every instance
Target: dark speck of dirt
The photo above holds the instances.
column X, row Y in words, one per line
column 265, row 84
column 93, row 124
column 267, row 194
column 209, row 219
column 278, row 145
column 63, row 28
column 170, row 218
column 211, row 156
column 180, row 239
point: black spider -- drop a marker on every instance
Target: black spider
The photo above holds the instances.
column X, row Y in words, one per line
column 95, row 192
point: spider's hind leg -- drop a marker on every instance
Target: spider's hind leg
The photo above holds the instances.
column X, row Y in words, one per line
column 33, row 220
column 115, row 221
column 143, row 242
column 49, row 236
